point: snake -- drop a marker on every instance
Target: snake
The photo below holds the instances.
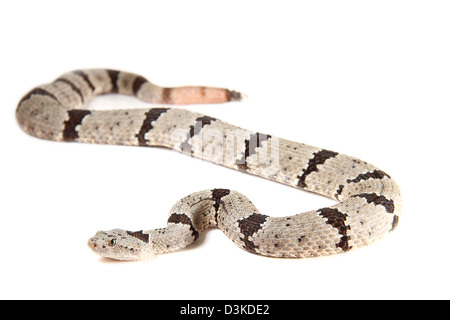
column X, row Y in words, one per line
column 368, row 200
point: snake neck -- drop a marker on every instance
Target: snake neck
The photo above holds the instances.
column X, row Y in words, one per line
column 166, row 240
column 189, row 217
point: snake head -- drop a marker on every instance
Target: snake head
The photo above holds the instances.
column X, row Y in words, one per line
column 120, row 244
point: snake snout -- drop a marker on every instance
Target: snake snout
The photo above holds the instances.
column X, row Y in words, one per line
column 92, row 243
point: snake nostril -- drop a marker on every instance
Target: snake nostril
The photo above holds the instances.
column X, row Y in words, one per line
column 92, row 244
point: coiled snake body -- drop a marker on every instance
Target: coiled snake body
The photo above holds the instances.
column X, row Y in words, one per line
column 369, row 200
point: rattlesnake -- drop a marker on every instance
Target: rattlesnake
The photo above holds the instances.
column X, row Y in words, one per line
column 369, row 200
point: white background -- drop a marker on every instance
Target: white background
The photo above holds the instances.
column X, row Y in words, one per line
column 366, row 78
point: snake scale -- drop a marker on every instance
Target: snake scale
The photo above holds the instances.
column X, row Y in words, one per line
column 369, row 201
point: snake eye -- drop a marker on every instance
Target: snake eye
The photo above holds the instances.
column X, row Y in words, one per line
column 112, row 243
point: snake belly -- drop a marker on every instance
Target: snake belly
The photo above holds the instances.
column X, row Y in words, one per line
column 369, row 200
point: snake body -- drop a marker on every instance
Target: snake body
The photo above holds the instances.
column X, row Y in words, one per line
column 369, row 200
